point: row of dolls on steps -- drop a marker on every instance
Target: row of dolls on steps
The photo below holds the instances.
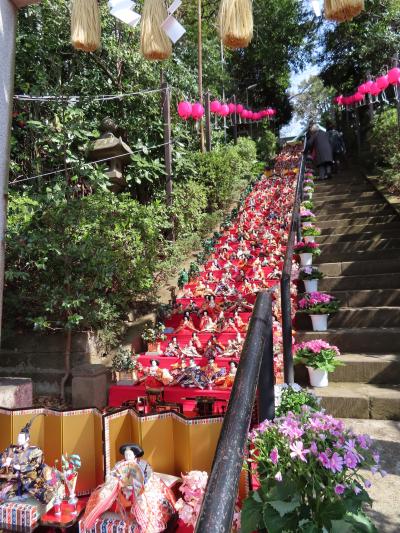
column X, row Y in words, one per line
column 213, row 348
column 207, row 324
column 189, row 375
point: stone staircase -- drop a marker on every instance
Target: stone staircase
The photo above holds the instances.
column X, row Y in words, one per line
column 360, row 258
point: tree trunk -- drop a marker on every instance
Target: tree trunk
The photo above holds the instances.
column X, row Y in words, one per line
column 67, row 363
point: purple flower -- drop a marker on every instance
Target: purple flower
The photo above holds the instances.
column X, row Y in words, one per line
column 336, row 463
column 274, row 455
column 324, row 459
column 339, row 489
column 376, row 457
column 383, row 473
column 278, row 476
column 357, row 489
column 314, row 448
column 350, row 460
column 364, row 441
column 367, row 483
column 298, row 450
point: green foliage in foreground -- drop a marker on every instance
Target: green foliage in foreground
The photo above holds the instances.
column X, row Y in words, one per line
column 384, row 140
column 83, row 263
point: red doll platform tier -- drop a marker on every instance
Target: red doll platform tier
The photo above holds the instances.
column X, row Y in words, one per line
column 205, row 329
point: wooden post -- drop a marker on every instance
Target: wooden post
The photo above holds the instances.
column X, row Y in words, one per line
column 395, row 63
column 370, row 103
column 166, row 93
column 358, row 132
column 234, row 118
column 200, row 70
column 208, row 122
column 8, row 22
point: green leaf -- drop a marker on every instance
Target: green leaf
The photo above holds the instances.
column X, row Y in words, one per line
column 251, row 516
column 341, row 526
column 284, row 508
column 361, row 523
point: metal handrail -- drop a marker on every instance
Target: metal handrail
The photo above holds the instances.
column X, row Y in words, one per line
column 286, row 304
column 255, row 367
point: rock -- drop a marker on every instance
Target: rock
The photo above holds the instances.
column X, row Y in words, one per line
column 15, row 393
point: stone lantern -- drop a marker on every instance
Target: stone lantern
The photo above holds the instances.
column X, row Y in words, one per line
column 114, row 151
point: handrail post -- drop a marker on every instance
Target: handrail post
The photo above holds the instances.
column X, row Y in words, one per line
column 266, row 379
column 216, row 514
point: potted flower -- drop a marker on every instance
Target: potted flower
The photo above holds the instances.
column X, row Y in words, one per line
column 309, row 471
column 153, row 336
column 310, row 275
column 319, row 305
column 319, row 357
column 125, row 366
column 306, row 252
column 306, row 215
column 307, row 204
column 310, row 232
column 292, row 398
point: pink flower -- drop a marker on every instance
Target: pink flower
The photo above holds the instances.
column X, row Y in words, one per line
column 278, row 476
column 298, row 450
column 339, row 489
column 274, row 455
column 336, row 463
column 324, row 459
column 350, row 460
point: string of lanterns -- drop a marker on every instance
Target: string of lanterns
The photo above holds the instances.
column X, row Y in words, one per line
column 196, row 111
column 370, row 87
column 159, row 28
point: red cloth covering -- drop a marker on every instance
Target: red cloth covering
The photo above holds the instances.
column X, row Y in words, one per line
column 122, row 393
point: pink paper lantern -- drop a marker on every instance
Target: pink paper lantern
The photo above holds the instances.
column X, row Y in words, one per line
column 224, row 111
column 375, row 90
column 358, row 97
column 239, row 108
column 382, row 82
column 244, row 114
column 215, row 106
column 232, row 108
column 394, row 75
column 197, row 111
column 184, row 110
column 362, row 89
column 368, row 85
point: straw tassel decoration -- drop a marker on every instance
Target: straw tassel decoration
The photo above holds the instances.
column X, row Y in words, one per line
column 155, row 44
column 343, row 10
column 235, row 22
column 85, row 25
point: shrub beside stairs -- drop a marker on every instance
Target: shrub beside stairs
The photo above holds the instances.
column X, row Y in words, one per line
column 360, row 258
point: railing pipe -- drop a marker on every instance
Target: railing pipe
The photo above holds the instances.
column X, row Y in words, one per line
column 217, row 511
column 286, row 304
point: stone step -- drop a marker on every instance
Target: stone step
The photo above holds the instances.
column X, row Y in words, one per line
column 358, row 400
column 362, row 255
column 349, row 207
column 353, row 214
column 362, row 268
column 368, row 298
column 360, row 368
column 338, row 198
column 361, row 245
column 371, row 236
column 333, row 190
column 348, row 203
column 345, row 222
column 357, row 340
column 357, row 229
column 354, row 317
column 372, row 283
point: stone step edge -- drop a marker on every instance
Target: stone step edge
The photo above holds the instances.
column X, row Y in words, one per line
column 392, row 200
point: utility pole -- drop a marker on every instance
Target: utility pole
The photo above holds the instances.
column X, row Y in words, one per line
column 370, row 102
column 8, row 22
column 395, row 63
column 200, row 70
column 208, row 122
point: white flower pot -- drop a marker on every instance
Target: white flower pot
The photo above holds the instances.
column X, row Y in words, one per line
column 309, row 238
column 318, row 378
column 319, row 322
column 311, row 285
column 306, row 259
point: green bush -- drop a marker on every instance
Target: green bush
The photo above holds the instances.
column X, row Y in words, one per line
column 384, row 137
column 189, row 206
column 267, row 145
column 79, row 264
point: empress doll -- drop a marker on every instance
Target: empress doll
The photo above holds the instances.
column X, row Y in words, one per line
column 207, row 323
column 227, row 381
column 192, row 377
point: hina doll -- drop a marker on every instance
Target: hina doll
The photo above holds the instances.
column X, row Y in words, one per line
column 190, row 350
column 232, row 351
column 241, row 326
column 229, row 326
column 23, row 471
column 212, row 371
column 197, row 342
column 226, row 382
column 207, row 323
column 191, row 377
column 171, row 350
column 186, row 323
column 140, row 497
column 154, row 376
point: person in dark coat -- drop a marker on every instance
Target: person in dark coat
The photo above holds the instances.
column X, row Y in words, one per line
column 320, row 145
column 337, row 143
